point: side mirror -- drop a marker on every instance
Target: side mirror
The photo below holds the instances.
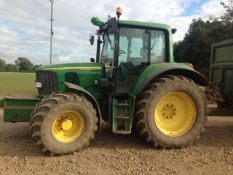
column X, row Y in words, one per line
column 92, row 39
column 92, row 60
column 174, row 30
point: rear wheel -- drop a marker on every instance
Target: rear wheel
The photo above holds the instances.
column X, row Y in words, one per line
column 63, row 123
column 171, row 112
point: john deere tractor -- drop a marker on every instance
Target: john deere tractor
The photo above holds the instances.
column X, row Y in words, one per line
column 132, row 84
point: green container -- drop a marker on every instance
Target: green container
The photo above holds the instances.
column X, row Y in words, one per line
column 2, row 102
column 18, row 109
column 221, row 69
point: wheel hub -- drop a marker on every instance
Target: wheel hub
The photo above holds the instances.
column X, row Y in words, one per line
column 66, row 125
column 176, row 118
column 169, row 111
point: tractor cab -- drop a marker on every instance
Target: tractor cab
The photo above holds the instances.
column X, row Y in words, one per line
column 126, row 49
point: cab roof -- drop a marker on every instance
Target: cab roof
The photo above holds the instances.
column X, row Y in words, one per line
column 145, row 24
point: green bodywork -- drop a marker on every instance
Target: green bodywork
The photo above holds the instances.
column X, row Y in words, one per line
column 115, row 108
column 96, row 21
column 85, row 75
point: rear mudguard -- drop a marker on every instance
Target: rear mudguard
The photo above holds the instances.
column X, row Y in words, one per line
column 155, row 71
column 78, row 89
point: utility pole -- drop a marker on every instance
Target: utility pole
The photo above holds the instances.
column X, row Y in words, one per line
column 51, row 32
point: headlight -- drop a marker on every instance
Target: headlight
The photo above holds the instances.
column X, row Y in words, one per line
column 38, row 84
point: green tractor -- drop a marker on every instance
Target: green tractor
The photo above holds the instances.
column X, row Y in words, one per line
column 132, row 84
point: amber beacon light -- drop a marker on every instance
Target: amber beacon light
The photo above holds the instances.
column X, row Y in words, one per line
column 118, row 11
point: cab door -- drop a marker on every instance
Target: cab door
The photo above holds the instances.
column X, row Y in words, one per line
column 133, row 57
column 138, row 48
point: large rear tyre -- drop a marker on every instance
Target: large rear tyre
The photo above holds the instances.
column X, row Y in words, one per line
column 63, row 123
column 171, row 112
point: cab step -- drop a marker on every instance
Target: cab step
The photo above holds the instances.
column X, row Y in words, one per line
column 122, row 115
column 123, row 104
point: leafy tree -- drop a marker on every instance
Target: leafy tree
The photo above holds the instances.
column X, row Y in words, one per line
column 11, row 68
column 2, row 65
column 228, row 15
column 24, row 64
column 196, row 45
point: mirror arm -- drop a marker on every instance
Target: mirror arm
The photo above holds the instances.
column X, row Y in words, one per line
column 98, row 49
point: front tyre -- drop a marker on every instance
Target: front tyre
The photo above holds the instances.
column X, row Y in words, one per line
column 171, row 112
column 63, row 123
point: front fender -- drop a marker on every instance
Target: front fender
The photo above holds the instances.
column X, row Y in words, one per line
column 77, row 89
column 157, row 70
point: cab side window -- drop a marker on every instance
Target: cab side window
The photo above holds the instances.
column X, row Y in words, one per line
column 133, row 46
column 123, row 52
column 157, row 51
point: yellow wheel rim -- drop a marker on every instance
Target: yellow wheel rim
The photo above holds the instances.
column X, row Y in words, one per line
column 68, row 126
column 175, row 114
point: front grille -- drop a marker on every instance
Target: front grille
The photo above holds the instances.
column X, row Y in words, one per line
column 48, row 80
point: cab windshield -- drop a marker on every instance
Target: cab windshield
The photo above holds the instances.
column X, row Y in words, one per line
column 136, row 46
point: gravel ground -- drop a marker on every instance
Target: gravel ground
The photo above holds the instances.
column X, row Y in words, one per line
column 117, row 154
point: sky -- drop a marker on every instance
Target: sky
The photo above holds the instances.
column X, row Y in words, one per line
column 25, row 25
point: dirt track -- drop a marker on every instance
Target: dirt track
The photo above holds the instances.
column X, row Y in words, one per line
column 114, row 154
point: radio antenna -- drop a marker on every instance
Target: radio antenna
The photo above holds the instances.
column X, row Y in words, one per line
column 51, row 32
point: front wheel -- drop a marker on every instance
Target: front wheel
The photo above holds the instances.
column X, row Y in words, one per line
column 63, row 123
column 171, row 112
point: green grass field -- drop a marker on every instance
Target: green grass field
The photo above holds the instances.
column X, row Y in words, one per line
column 17, row 83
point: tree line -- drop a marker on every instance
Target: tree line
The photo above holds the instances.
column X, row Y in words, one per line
column 22, row 64
column 195, row 47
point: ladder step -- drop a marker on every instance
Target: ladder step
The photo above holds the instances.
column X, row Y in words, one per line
column 119, row 117
column 122, row 104
column 122, row 131
column 122, row 121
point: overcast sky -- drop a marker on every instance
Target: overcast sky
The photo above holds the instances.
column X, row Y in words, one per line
column 24, row 24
